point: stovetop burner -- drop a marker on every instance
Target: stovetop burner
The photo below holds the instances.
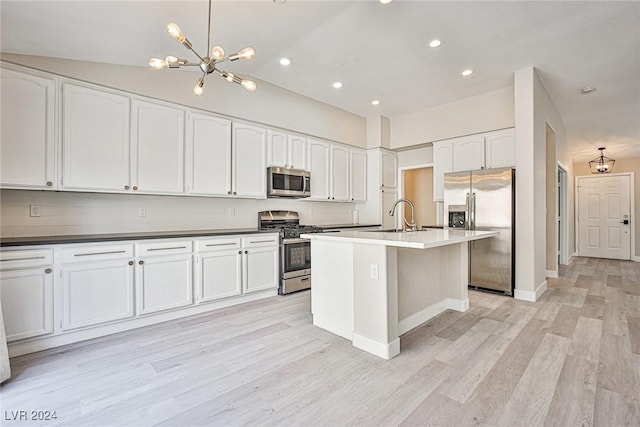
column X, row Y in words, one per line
column 287, row 222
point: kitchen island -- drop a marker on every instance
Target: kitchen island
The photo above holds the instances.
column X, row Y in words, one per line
column 370, row 287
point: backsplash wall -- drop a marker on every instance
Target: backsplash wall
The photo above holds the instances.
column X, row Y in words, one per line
column 63, row 213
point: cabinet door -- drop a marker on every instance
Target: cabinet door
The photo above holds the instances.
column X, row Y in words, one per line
column 27, row 142
column 97, row 292
column 220, row 275
column 208, row 155
column 389, row 169
column 157, row 136
column 27, row 302
column 319, row 167
column 164, row 283
column 298, row 152
column 468, row 153
column 358, row 175
column 442, row 163
column 249, row 161
column 96, row 140
column 260, row 269
column 339, row 173
column 277, row 149
column 501, row 148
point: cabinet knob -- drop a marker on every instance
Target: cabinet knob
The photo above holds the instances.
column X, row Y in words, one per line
column 229, row 192
column 239, row 252
column 234, row 193
column 130, row 262
column 246, row 252
column 333, row 198
column 328, row 198
column 140, row 262
column 49, row 184
column 126, row 187
column 47, row 270
column 135, row 187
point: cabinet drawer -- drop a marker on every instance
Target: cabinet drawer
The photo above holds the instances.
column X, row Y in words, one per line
column 24, row 259
column 95, row 253
column 163, row 248
column 257, row 240
column 218, row 244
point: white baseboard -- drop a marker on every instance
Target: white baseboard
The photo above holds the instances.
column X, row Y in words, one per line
column 636, row 258
column 386, row 351
column 552, row 274
column 417, row 319
column 532, row 296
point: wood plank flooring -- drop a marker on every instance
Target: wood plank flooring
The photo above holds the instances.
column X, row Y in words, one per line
column 570, row 359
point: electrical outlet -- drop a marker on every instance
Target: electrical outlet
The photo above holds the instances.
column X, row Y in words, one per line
column 231, row 211
column 374, row 271
column 142, row 211
column 34, row 210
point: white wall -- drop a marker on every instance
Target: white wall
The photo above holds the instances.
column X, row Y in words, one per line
column 417, row 156
column 489, row 111
column 65, row 213
column 269, row 105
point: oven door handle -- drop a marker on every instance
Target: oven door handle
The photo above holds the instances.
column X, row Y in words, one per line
column 298, row 240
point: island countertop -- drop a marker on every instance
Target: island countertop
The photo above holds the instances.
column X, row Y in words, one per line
column 423, row 239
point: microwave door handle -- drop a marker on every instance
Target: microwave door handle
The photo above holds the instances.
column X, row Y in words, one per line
column 304, row 185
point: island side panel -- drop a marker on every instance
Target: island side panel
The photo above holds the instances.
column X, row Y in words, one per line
column 332, row 287
column 375, row 327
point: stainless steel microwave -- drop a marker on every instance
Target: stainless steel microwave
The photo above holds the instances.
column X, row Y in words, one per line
column 283, row 182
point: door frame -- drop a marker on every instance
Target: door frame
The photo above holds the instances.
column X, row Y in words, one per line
column 401, row 170
column 563, row 214
column 632, row 209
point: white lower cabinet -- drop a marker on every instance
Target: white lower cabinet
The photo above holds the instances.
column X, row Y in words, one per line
column 220, row 274
column 163, row 283
column 260, row 269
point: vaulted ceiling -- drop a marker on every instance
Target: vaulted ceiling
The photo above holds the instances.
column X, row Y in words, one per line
column 378, row 51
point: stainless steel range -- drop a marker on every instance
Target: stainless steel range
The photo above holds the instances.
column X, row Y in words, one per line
column 295, row 253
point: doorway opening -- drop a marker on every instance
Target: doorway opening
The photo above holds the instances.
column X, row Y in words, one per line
column 552, row 235
column 416, row 184
column 561, row 208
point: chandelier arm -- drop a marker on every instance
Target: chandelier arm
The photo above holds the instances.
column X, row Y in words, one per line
column 209, row 29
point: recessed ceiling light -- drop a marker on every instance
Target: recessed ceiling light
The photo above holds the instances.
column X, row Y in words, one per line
column 385, row 1
column 467, row 72
column 337, row 85
column 435, row 43
column 375, row 102
column 285, row 61
column 588, row 89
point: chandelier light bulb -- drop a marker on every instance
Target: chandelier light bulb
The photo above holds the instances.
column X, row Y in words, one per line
column 158, row 63
column 217, row 53
column 249, row 85
column 246, row 53
column 198, row 89
column 175, row 32
column 229, row 77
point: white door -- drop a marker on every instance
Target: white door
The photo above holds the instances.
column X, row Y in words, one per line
column 319, row 166
column 95, row 140
column 97, row 292
column 164, row 283
column 298, row 152
column 339, row 173
column 277, row 149
column 27, row 302
column 442, row 163
column 157, row 141
column 358, row 175
column 500, row 149
column 389, row 170
column 604, row 207
column 27, row 144
column 249, row 161
column 220, row 274
column 208, row 155
column 260, row 269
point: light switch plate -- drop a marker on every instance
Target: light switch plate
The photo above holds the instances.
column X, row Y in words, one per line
column 142, row 211
column 374, row 271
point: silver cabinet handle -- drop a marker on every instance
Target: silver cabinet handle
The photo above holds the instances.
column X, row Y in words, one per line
column 305, row 279
column 166, row 249
column 221, row 244
column 100, row 253
column 23, row 259
column 262, row 241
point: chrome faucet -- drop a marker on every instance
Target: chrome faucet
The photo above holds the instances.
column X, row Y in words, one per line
column 411, row 225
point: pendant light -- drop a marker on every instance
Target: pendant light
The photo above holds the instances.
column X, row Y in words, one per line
column 208, row 64
column 601, row 164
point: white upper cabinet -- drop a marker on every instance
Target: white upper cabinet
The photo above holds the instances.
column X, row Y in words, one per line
column 340, row 173
column 96, row 140
column 389, row 169
column 500, row 148
column 358, row 175
column 27, row 144
column 442, row 163
column 319, row 167
column 249, row 161
column 286, row 150
column 468, row 153
column 157, row 136
column 298, row 152
column 208, row 155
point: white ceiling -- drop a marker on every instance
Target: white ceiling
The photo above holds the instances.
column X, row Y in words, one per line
column 378, row 51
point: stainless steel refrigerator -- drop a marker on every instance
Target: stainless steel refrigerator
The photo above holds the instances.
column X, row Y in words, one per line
column 485, row 200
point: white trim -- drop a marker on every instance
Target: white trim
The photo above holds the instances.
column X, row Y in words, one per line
column 400, row 181
column 552, row 274
column 636, row 258
column 386, row 351
column 563, row 213
column 529, row 295
column 417, row 319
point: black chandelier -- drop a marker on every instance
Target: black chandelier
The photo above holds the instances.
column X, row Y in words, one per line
column 601, row 164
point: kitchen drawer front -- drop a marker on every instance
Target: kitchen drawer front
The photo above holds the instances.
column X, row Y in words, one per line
column 223, row 243
column 258, row 240
column 164, row 248
column 97, row 253
column 10, row 260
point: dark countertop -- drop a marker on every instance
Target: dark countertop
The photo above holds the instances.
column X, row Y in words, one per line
column 87, row 238
column 337, row 226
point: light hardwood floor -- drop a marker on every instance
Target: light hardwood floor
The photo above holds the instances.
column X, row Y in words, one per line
column 572, row 358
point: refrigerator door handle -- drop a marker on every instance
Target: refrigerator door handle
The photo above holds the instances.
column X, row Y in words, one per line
column 473, row 211
column 467, row 213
